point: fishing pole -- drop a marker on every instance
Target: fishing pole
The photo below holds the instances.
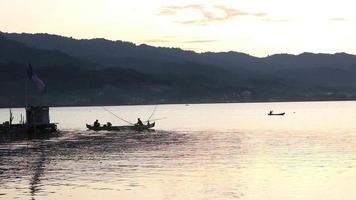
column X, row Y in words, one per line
column 117, row 116
column 154, row 110
column 153, row 120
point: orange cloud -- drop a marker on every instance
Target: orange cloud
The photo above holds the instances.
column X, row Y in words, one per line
column 208, row 16
column 186, row 41
column 199, row 41
column 156, row 41
column 276, row 20
column 338, row 19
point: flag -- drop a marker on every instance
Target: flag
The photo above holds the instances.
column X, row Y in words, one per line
column 36, row 80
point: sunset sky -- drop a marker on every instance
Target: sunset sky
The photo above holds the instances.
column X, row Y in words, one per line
column 256, row 27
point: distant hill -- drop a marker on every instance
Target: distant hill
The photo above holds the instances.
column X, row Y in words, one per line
column 106, row 52
column 12, row 51
column 114, row 53
column 72, row 81
column 100, row 71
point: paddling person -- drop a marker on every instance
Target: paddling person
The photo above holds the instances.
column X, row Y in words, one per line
column 139, row 122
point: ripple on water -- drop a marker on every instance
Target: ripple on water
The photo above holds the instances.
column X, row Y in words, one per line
column 87, row 158
column 177, row 165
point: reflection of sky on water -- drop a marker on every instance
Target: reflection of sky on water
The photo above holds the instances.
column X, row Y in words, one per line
column 87, row 158
column 38, row 172
column 299, row 156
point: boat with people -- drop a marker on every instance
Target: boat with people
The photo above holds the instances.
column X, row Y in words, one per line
column 138, row 126
column 277, row 114
column 109, row 127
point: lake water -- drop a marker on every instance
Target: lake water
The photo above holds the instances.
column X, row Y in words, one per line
column 200, row 151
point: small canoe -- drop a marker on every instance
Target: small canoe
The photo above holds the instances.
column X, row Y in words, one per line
column 278, row 114
column 121, row 128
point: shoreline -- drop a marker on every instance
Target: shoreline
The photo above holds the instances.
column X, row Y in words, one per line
column 190, row 103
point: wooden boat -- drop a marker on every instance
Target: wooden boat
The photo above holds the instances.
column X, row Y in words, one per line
column 121, row 128
column 278, row 114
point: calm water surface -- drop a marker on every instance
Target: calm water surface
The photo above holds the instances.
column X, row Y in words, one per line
column 205, row 151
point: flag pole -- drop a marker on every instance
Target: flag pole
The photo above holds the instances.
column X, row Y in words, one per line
column 26, row 91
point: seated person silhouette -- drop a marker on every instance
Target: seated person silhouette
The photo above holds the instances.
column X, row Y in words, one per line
column 139, row 122
column 108, row 124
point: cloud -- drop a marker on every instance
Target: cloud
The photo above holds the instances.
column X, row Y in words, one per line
column 156, row 41
column 199, row 41
column 275, row 20
column 338, row 19
column 219, row 13
column 186, row 41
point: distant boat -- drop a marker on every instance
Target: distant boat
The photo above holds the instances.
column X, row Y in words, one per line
column 121, row 128
column 278, row 114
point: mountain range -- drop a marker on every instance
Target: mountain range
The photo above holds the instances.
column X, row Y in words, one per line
column 104, row 72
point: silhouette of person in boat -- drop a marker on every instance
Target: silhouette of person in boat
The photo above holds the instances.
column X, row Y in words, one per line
column 96, row 123
column 139, row 122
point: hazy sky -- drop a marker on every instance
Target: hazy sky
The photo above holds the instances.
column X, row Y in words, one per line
column 256, row 27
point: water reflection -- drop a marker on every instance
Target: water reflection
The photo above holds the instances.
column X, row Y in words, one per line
column 244, row 154
column 38, row 169
column 77, row 161
column 179, row 165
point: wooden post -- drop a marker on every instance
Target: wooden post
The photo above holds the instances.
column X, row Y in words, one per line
column 11, row 117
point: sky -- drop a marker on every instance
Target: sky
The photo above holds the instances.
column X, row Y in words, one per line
column 256, row 27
